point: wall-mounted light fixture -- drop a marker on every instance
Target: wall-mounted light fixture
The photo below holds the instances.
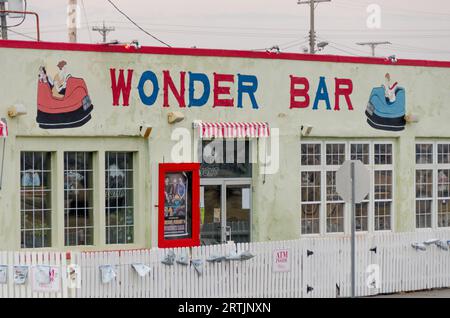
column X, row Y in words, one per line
column 145, row 130
column 306, row 130
column 174, row 117
column 410, row 118
column 17, row 110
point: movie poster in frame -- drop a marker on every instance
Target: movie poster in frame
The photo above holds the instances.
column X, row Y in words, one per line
column 178, row 208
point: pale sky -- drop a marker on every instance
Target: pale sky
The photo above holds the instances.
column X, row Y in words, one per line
column 417, row 29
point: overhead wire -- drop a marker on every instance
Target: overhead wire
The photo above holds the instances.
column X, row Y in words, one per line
column 23, row 34
column 87, row 21
column 137, row 25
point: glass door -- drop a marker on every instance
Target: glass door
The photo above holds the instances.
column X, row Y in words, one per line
column 238, row 207
column 211, row 214
column 225, row 211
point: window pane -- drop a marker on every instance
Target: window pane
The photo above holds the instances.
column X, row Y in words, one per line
column 443, row 213
column 424, row 153
column 424, row 183
column 361, row 213
column 383, row 200
column 35, row 199
column 310, row 186
column 443, row 183
column 335, row 211
column 225, row 158
column 310, row 154
column 423, row 213
column 335, row 154
column 382, row 216
column 119, row 197
column 335, row 217
column 310, row 218
column 383, row 185
column 383, row 154
column 444, row 153
column 78, row 198
column 360, row 152
column 332, row 195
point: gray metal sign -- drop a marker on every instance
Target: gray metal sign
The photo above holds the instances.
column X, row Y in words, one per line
column 361, row 182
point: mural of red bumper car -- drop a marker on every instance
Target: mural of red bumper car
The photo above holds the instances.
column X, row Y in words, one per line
column 385, row 115
column 73, row 109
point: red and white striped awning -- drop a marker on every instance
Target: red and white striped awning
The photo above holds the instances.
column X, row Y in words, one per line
column 3, row 129
column 233, row 130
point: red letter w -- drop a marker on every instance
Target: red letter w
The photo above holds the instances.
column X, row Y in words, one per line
column 118, row 87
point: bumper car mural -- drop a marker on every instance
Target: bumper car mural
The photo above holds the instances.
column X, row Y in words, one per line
column 62, row 101
column 387, row 107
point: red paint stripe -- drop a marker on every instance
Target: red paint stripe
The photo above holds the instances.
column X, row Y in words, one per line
column 216, row 53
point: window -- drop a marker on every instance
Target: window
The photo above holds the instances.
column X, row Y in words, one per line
column 335, row 206
column 361, row 151
column 225, row 158
column 432, row 185
column 78, row 199
column 119, row 197
column 383, row 199
column 383, row 186
column 35, row 199
column 443, row 211
column 319, row 199
column 310, row 202
column 424, row 197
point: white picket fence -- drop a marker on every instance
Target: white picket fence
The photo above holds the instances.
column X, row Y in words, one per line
column 30, row 259
column 319, row 267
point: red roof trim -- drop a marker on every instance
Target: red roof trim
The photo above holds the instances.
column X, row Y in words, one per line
column 215, row 53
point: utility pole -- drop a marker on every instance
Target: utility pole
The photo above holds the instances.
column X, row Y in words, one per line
column 72, row 20
column 104, row 30
column 3, row 22
column 373, row 45
column 312, row 32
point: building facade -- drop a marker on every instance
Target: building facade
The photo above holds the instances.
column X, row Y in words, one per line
column 89, row 126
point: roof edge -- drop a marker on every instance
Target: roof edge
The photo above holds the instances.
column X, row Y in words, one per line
column 82, row 47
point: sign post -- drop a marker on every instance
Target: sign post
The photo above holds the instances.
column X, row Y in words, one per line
column 353, row 184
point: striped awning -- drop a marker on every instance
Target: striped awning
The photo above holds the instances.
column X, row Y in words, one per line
column 3, row 129
column 233, row 130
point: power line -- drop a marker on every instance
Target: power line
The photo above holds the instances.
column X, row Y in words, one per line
column 342, row 50
column 87, row 21
column 295, row 44
column 24, row 35
column 345, row 46
column 373, row 45
column 137, row 25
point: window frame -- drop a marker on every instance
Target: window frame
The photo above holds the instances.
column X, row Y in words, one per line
column 434, row 167
column 133, row 189
column 50, row 210
column 99, row 146
column 372, row 167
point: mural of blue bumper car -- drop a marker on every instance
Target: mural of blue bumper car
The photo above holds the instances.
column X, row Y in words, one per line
column 384, row 115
